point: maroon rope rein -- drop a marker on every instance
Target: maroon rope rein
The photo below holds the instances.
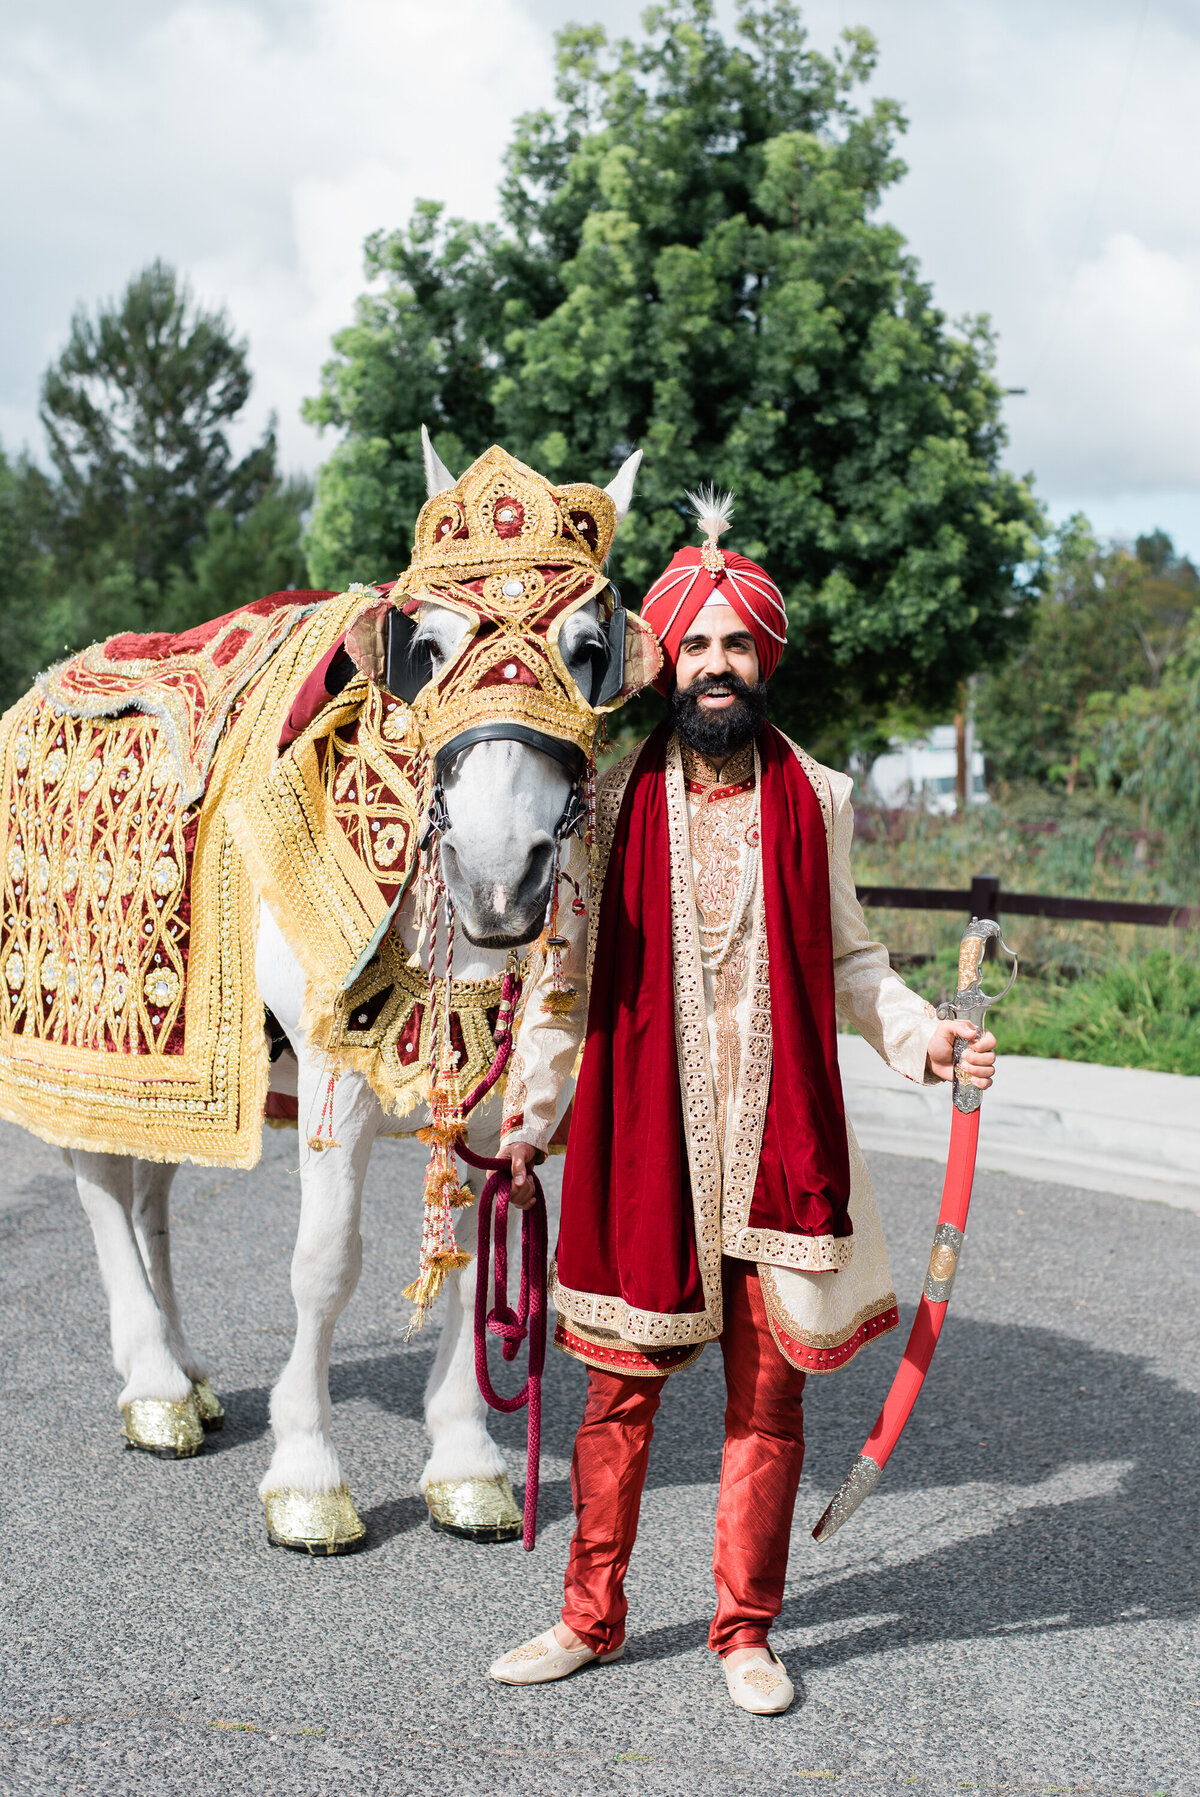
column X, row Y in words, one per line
column 512, row 1326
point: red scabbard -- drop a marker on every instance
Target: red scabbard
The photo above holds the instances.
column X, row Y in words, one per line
column 970, row 1004
column 927, row 1326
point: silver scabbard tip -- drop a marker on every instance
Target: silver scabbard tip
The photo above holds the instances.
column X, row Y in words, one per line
column 859, row 1483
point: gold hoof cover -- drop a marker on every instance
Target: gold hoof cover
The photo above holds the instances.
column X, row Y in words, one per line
column 212, row 1411
column 481, row 1509
column 314, row 1522
column 159, row 1426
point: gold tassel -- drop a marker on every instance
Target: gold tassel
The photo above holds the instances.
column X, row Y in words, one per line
column 560, row 999
column 444, row 1192
column 560, row 1002
column 320, row 1142
column 428, row 1283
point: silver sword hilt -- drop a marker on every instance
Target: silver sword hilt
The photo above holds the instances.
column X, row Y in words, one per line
column 970, row 1002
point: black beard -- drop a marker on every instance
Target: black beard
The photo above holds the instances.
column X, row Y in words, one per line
column 719, row 734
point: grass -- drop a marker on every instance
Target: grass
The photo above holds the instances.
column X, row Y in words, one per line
column 1119, row 995
column 1141, row 1013
column 1085, row 848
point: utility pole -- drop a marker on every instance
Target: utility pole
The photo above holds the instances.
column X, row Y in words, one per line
column 962, row 769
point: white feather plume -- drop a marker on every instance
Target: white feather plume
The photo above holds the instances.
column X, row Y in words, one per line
column 713, row 510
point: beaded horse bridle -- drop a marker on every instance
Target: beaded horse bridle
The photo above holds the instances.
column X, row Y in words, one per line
column 515, row 557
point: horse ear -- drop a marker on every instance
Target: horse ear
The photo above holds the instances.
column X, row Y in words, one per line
column 620, row 487
column 437, row 476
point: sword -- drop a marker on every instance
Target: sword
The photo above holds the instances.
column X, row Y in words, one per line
column 970, row 1003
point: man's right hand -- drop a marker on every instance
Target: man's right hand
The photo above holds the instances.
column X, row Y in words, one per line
column 522, row 1157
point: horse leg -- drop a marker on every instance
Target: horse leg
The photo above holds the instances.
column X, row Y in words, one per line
column 307, row 1502
column 158, row 1405
column 152, row 1181
column 465, row 1480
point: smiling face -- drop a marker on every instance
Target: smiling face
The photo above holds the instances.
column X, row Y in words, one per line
column 717, row 643
column 719, row 702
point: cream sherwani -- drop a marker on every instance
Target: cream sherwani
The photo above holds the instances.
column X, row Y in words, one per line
column 825, row 1297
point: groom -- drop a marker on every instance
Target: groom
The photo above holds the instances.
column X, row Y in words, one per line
column 712, row 1190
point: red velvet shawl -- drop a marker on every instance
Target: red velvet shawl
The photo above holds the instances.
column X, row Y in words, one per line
column 627, row 1227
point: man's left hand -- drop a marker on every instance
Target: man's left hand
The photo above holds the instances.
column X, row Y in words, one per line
column 978, row 1060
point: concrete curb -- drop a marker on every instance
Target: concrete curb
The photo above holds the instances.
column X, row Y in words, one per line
column 1107, row 1129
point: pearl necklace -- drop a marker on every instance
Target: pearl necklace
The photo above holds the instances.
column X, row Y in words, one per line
column 716, row 943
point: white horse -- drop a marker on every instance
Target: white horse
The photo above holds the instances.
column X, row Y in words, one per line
column 504, row 801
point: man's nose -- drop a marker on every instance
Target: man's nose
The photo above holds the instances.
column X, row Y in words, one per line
column 716, row 661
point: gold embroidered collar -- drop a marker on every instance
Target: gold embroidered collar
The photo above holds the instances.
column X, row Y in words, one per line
column 708, row 782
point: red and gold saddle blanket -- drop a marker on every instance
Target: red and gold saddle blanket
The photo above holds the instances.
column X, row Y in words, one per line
column 189, row 682
column 130, row 1021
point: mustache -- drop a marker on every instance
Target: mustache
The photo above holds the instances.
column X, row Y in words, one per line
column 718, row 683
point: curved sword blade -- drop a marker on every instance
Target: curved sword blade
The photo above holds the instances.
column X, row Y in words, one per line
column 863, row 1476
column 970, row 1004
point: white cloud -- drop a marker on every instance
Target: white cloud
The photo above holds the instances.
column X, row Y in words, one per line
column 255, row 142
column 1116, row 404
column 254, row 145
column 1052, row 168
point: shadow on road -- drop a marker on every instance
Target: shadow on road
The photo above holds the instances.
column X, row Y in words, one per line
column 1006, row 1414
column 1004, row 1411
column 399, row 1516
column 247, row 1418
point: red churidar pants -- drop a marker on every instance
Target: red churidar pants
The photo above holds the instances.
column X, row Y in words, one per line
column 760, row 1471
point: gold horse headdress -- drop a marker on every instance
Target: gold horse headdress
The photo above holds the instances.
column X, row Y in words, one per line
column 516, row 556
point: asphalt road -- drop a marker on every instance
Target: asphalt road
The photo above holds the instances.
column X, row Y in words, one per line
column 1014, row 1610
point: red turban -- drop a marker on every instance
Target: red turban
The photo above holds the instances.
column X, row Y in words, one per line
column 682, row 590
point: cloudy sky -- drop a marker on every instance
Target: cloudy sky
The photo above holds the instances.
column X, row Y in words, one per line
column 1053, row 167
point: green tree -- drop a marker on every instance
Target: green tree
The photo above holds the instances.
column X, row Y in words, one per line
column 242, row 558
column 1168, row 599
column 1082, row 640
column 27, row 524
column 689, row 260
column 1146, row 743
column 137, row 410
column 148, row 522
column 49, row 608
column 1106, row 626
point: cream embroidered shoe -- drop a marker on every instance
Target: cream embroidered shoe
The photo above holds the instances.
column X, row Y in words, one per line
column 760, row 1686
column 540, row 1661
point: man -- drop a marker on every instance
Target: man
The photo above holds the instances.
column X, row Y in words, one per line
column 712, row 1189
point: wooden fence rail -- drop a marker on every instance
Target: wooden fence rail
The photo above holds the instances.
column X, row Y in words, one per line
column 983, row 898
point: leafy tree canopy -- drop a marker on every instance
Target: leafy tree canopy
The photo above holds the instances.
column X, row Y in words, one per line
column 27, row 525
column 149, row 521
column 1167, row 600
column 1108, row 624
column 137, row 410
column 690, row 261
column 1146, row 744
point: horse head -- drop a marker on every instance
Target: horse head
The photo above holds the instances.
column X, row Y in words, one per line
column 511, row 644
